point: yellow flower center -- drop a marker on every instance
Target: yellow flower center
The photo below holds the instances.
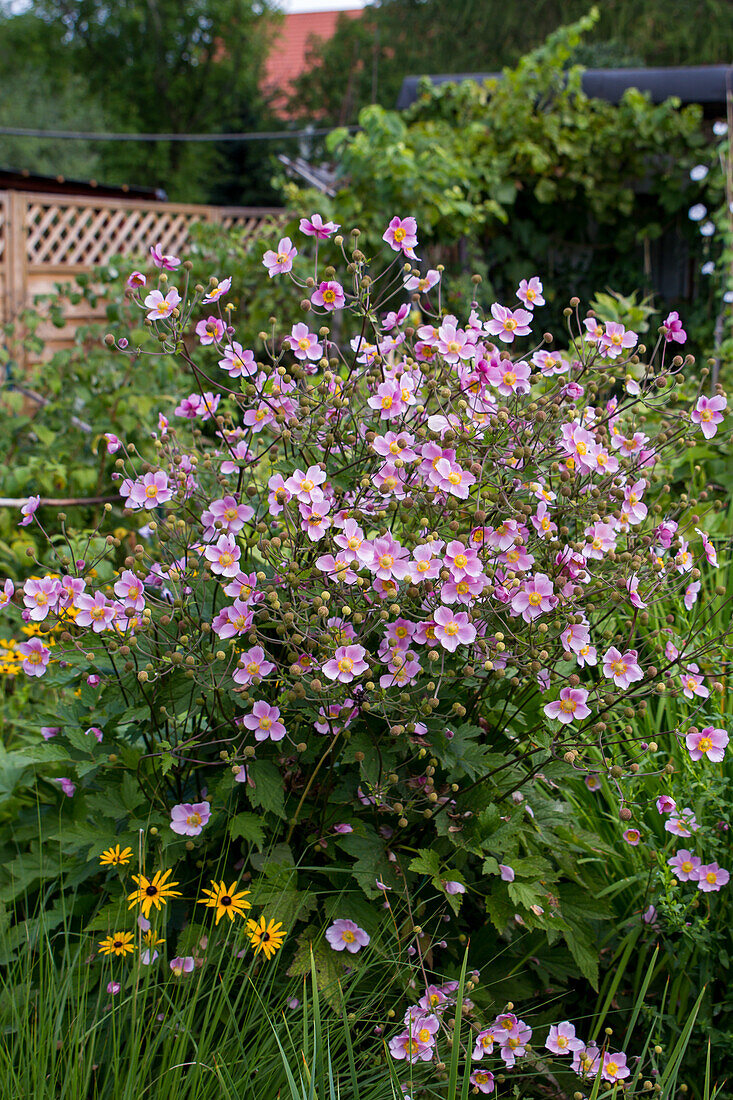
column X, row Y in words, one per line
column 226, row 559
column 711, row 877
column 424, row 1035
column 562, row 1042
column 97, row 612
column 423, row 566
column 400, row 234
column 454, row 477
column 151, row 491
column 567, row 706
column 619, row 667
column 265, row 723
column 510, row 324
column 535, row 599
column 509, row 378
column 304, row 343
column 704, row 744
column 348, row 937
column 706, row 415
column 306, row 484
column 386, row 561
column 193, row 819
column 687, row 866
column 452, row 628
column 387, row 402
column 329, row 296
column 345, row 664
column 461, row 561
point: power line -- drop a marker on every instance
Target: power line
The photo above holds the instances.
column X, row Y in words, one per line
column 256, row 135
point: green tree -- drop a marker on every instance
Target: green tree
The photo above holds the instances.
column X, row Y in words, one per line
column 367, row 59
column 38, row 92
column 161, row 66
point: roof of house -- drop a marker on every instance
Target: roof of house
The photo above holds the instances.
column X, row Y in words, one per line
column 287, row 57
column 20, row 179
column 707, row 85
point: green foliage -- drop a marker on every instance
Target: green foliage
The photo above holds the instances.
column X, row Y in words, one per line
column 527, row 172
column 141, row 67
column 398, row 38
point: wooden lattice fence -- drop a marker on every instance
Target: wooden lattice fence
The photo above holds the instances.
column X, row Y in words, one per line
column 49, row 239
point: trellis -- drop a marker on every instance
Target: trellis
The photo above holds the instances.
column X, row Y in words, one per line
column 47, row 239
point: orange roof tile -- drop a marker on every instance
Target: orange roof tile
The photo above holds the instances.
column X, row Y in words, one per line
column 287, row 57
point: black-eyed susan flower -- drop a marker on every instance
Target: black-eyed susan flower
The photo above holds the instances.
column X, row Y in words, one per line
column 153, row 891
column 119, row 943
column 225, row 900
column 265, row 936
column 115, row 857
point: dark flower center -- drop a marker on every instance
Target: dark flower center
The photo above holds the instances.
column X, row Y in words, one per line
column 225, row 900
column 117, row 943
column 151, row 891
column 265, row 937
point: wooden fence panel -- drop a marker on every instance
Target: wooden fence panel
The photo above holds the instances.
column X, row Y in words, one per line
column 47, row 239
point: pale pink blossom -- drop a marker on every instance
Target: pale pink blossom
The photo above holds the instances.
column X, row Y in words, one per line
column 329, row 296
column 282, row 260
column 189, row 819
column 95, row 611
column 214, row 293
column 622, row 668
column 35, row 655
column 507, row 323
column 710, row 742
column 562, row 1040
column 615, row 340
column 685, row 865
column 346, row 664
column 570, row 707
column 530, row 292
column 316, row 227
column 708, row 413
column 231, row 622
column 238, row 362
column 166, row 262
column 614, row 1067
column 710, row 877
column 265, row 721
column 182, row 964
column 346, row 935
column 672, row 328
column 304, row 343
column 252, row 665
column 28, row 511
column 535, row 598
column 453, row 628
column 401, row 236
column 223, row 556
column 159, row 307
column 483, row 1080
column 210, row 331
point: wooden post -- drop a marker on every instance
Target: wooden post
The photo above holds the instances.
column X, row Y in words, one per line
column 17, row 260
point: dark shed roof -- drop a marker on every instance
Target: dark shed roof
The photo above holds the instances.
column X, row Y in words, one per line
column 17, row 179
column 707, row 85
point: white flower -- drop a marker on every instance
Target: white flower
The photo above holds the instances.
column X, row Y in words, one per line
column 707, row 229
column 708, row 268
column 720, row 129
column 699, row 172
column 697, row 212
column 728, row 296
